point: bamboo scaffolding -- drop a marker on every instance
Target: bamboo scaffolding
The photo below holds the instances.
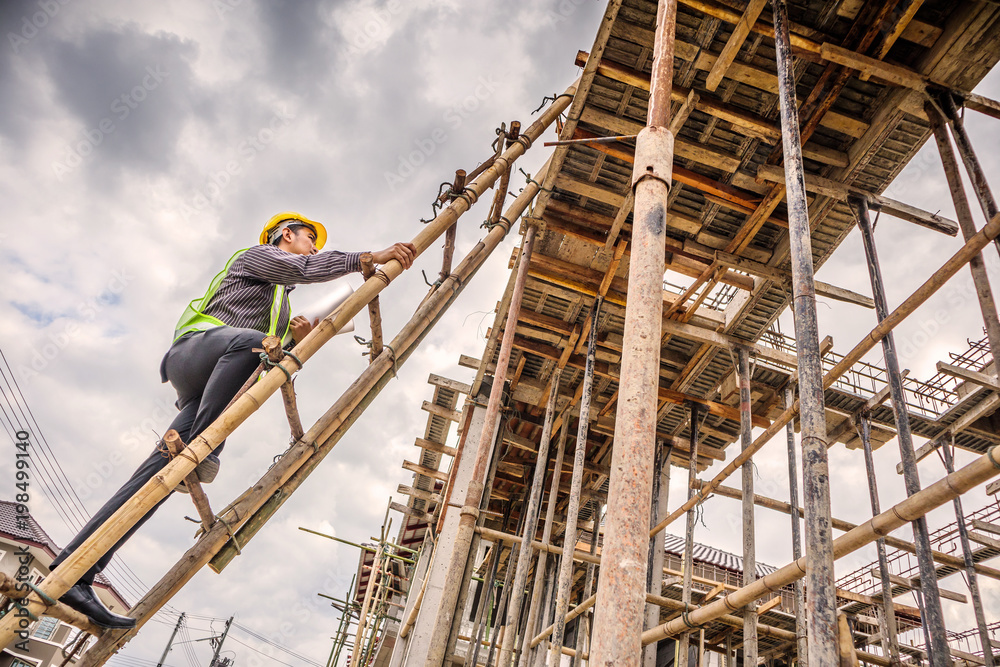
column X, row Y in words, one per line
column 374, row 311
column 687, row 567
column 869, row 341
column 621, row 585
column 801, row 636
column 931, row 497
column 60, row 580
column 890, row 640
column 573, row 507
column 459, row 557
column 175, row 446
column 531, row 513
column 821, row 602
column 749, row 532
column 285, row 476
column 538, row 589
column 654, row 564
column 932, row 617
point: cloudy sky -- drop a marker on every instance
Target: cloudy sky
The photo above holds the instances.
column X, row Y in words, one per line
column 144, row 143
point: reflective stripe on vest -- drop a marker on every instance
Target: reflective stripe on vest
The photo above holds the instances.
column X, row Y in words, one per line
column 195, row 319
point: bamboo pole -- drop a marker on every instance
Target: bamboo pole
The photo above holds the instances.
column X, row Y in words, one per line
column 972, row 166
column 175, row 446
column 749, row 533
column 933, row 616
column 447, row 608
column 457, row 186
column 970, row 570
column 573, row 507
column 951, row 486
column 486, row 598
column 275, row 353
column 890, row 640
column 977, row 266
column 531, row 519
column 688, row 564
column 654, row 564
column 363, row 617
column 538, row 590
column 816, row 475
column 801, row 632
column 283, row 478
column 69, row 571
column 15, row 590
column 374, row 311
column 618, row 619
column 583, row 626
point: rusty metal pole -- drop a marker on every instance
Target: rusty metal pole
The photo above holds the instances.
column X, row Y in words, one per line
column 538, row 594
column 687, row 568
column 890, row 639
column 654, row 565
column 815, row 465
column 573, row 507
column 970, row 567
column 801, row 629
column 474, row 492
column 977, row 266
column 621, row 587
column 749, row 532
column 530, row 522
column 972, row 166
column 933, row 617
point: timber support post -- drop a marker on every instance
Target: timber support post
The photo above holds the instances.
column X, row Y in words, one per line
column 619, row 617
column 933, row 616
column 815, row 466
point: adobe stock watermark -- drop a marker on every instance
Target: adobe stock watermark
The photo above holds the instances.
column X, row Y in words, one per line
column 30, row 26
column 224, row 7
column 565, row 9
column 453, row 118
column 46, row 351
column 121, row 107
column 374, row 29
column 245, row 153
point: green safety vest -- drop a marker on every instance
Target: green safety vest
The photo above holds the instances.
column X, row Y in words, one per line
column 195, row 319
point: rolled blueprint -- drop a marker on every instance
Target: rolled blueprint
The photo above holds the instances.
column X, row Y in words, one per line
column 328, row 303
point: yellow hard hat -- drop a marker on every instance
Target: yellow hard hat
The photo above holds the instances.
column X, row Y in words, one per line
column 289, row 216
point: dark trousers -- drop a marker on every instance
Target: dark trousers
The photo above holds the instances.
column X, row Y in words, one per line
column 206, row 368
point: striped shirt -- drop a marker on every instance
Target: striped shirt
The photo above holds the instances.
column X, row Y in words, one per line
column 245, row 295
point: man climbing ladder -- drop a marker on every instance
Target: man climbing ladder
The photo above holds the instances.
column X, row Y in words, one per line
column 212, row 357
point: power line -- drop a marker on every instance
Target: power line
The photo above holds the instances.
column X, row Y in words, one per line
column 68, row 504
column 276, row 645
column 269, row 657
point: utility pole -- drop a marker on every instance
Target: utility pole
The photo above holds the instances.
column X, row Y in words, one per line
column 218, row 647
column 170, row 643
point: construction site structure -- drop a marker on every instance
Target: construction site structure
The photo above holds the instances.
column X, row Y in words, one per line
column 737, row 144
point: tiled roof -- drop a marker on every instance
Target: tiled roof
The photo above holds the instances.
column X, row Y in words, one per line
column 36, row 535
column 712, row 556
column 32, row 532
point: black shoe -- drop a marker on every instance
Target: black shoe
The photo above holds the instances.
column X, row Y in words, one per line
column 83, row 599
column 206, row 471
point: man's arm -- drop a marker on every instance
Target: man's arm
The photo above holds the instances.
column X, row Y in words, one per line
column 273, row 265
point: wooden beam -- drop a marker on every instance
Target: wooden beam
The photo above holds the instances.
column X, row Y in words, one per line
column 734, row 43
column 425, row 471
column 985, row 525
column 440, row 411
column 769, row 605
column 839, row 191
column 454, row 385
column 980, row 379
column 432, row 446
column 912, row 584
column 418, row 493
column 465, row 361
column 986, row 541
column 410, row 511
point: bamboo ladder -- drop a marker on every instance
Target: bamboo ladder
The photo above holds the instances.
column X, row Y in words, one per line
column 261, row 500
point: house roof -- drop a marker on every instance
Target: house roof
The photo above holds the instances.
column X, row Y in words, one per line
column 32, row 534
column 703, row 553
